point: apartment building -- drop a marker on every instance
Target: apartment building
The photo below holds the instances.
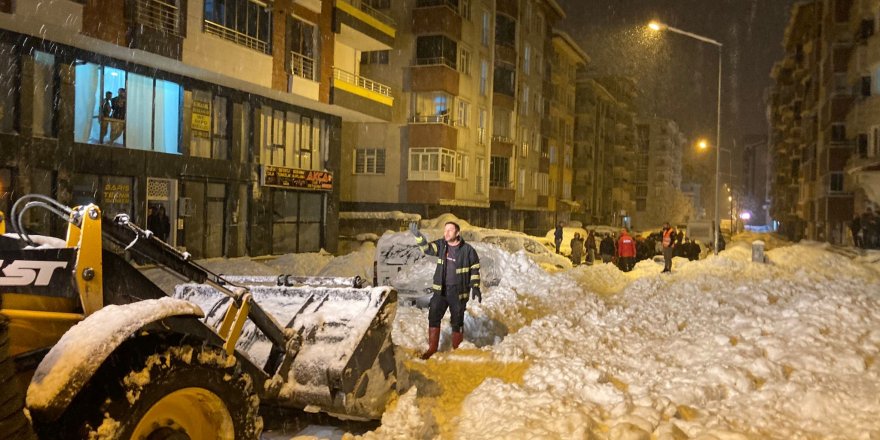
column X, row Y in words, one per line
column 433, row 155
column 558, row 124
column 604, row 149
column 793, row 140
column 467, row 132
column 225, row 115
column 753, row 178
column 658, row 196
column 862, row 175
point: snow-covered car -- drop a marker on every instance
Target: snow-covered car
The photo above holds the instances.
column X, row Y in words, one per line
column 400, row 262
column 514, row 242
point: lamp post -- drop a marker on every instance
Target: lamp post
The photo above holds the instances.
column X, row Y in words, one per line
column 657, row 27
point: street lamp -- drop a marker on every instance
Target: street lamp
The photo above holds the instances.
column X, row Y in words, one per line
column 657, row 26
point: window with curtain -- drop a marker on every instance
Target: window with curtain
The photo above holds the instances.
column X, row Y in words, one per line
column 116, row 107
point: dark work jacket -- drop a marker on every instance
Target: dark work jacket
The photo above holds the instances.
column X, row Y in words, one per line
column 467, row 266
column 606, row 246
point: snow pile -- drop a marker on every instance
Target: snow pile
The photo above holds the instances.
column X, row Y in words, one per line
column 306, row 264
column 721, row 348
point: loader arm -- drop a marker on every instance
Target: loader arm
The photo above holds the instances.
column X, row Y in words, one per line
column 124, row 233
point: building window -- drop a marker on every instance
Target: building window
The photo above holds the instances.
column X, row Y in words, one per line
column 44, row 94
column 838, row 132
column 499, row 172
column 292, row 140
column 432, row 107
column 521, row 183
column 553, row 154
column 836, row 182
column 9, row 82
column 505, row 31
column 431, row 163
column 874, row 151
column 484, row 77
column 464, row 64
column 481, row 165
column 116, row 107
column 501, row 124
column 244, row 22
column 375, row 57
column 464, row 114
column 527, row 53
column 504, row 81
column 465, row 9
column 524, row 138
column 436, row 49
column 486, row 29
column 524, row 98
column 481, row 128
column 461, row 166
column 369, row 161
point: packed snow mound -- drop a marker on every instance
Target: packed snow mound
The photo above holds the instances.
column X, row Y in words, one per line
column 440, row 222
column 771, row 240
column 305, row 264
column 720, row 348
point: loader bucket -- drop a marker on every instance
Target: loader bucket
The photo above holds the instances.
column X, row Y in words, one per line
column 339, row 358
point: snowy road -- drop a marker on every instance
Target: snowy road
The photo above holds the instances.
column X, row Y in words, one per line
column 720, row 349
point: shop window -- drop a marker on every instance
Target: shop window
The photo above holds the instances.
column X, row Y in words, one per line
column 115, row 107
column 292, row 140
column 44, row 93
column 9, row 80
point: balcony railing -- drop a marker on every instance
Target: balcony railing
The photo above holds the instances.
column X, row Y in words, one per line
column 437, row 61
column 372, row 12
column 433, row 119
column 158, row 15
column 236, row 37
column 451, row 4
column 504, row 184
column 364, row 83
column 502, row 139
column 302, row 66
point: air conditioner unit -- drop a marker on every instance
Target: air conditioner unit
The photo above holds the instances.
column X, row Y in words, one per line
column 185, row 207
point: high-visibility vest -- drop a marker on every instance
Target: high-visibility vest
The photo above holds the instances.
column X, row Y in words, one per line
column 667, row 237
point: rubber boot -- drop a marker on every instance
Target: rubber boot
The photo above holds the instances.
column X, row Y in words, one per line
column 457, row 337
column 433, row 342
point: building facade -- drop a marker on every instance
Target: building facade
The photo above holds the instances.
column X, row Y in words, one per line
column 658, row 196
column 862, row 175
column 604, row 152
column 470, row 132
column 227, row 117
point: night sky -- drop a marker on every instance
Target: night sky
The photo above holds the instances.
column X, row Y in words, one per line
column 678, row 75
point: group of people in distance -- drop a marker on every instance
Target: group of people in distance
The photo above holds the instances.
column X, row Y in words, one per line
column 625, row 251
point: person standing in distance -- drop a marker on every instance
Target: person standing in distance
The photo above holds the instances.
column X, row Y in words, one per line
column 457, row 275
column 668, row 242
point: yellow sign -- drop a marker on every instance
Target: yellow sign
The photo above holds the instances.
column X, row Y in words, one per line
column 201, row 118
column 119, row 193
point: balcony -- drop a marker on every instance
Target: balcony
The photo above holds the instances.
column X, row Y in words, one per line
column 302, row 66
column 502, row 146
column 236, row 37
column 361, row 94
column 435, row 75
column 362, row 27
column 501, row 191
column 157, row 28
column 437, row 17
column 433, row 131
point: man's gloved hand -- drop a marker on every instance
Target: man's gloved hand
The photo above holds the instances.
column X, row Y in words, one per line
column 475, row 293
column 414, row 229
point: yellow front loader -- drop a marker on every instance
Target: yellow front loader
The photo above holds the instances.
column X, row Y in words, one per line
column 101, row 352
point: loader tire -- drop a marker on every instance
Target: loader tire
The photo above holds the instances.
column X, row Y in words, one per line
column 180, row 392
column 13, row 423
